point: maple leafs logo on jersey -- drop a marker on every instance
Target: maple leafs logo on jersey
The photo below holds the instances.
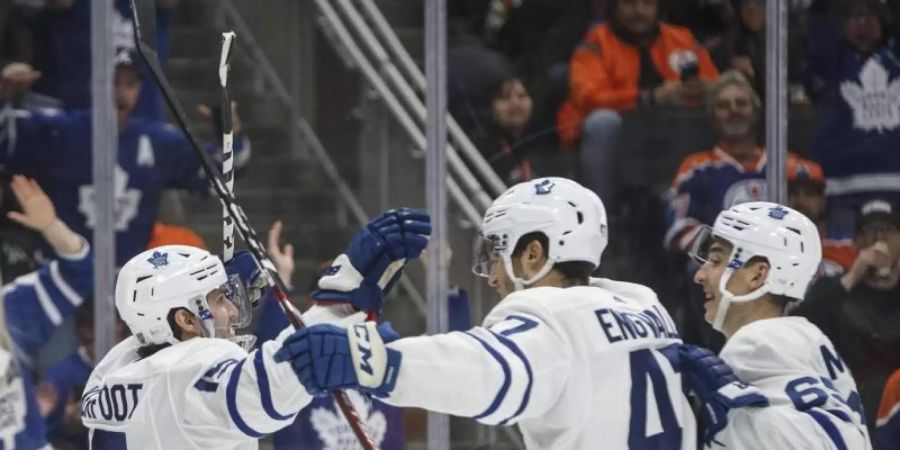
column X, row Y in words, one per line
column 334, row 431
column 778, row 212
column 159, row 259
column 127, row 201
column 875, row 100
column 544, row 187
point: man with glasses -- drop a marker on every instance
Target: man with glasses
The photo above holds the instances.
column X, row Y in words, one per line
column 860, row 310
column 733, row 172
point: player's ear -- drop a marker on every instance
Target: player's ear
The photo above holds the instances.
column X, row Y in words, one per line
column 187, row 322
column 758, row 273
column 534, row 256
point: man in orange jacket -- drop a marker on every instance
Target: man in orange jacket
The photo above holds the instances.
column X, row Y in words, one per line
column 633, row 61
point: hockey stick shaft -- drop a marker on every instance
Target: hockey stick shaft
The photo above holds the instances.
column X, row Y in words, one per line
column 144, row 10
column 227, row 145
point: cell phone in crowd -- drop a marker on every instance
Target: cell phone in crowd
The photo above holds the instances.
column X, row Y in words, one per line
column 690, row 71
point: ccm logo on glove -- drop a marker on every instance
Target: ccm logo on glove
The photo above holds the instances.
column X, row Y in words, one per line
column 364, row 347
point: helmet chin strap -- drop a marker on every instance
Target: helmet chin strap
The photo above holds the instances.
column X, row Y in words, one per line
column 728, row 298
column 519, row 283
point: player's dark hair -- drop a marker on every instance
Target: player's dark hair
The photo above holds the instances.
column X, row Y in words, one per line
column 578, row 272
column 149, row 350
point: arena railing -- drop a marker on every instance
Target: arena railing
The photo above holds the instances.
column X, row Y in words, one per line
column 248, row 42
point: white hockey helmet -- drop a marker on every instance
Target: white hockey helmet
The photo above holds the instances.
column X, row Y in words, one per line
column 787, row 239
column 158, row 280
column 571, row 216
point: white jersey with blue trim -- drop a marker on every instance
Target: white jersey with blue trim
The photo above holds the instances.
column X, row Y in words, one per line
column 813, row 398
column 200, row 393
column 573, row 367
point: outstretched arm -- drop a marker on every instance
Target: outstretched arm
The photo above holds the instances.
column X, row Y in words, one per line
column 37, row 302
column 513, row 370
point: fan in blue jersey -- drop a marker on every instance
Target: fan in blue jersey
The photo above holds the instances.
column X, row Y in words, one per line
column 32, row 307
column 55, row 148
column 66, row 66
column 854, row 80
column 732, row 173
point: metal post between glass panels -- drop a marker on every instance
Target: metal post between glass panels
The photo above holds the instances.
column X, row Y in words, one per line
column 104, row 136
column 436, row 190
column 776, row 99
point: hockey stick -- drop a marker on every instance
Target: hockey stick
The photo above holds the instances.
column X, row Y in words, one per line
column 144, row 17
column 227, row 145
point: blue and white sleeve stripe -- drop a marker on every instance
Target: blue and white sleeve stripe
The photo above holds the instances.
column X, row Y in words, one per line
column 262, row 396
column 38, row 302
column 513, row 395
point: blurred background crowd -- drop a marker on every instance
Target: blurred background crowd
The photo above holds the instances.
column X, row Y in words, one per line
column 656, row 105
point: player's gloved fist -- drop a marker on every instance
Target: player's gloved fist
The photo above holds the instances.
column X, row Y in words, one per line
column 712, row 381
column 326, row 357
column 243, row 264
column 371, row 265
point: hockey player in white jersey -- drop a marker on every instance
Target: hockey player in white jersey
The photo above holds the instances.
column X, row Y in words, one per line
column 576, row 362
column 184, row 380
column 757, row 259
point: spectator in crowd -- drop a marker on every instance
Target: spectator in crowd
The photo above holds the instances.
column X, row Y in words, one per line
column 633, row 61
column 59, row 393
column 169, row 228
column 747, row 46
column 64, row 53
column 33, row 306
column 733, row 172
column 549, row 82
column 509, row 138
column 53, row 146
column 859, row 310
column 517, row 28
column 854, row 80
column 710, row 21
column 806, row 194
column 16, row 37
column 887, row 426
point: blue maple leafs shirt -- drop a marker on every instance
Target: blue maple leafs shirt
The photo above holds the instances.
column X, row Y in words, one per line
column 857, row 100
column 54, row 147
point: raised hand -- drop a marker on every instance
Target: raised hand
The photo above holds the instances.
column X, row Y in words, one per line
column 16, row 77
column 38, row 212
column 283, row 258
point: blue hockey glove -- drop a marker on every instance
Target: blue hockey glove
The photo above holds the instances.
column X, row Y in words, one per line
column 711, row 380
column 326, row 357
column 371, row 265
column 244, row 266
